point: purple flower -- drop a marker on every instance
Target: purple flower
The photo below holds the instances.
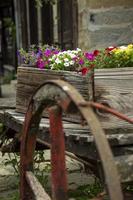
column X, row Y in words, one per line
column 47, row 52
column 39, row 54
column 55, row 52
column 23, row 59
column 89, row 56
column 81, row 61
column 18, row 53
column 40, row 63
column 75, row 58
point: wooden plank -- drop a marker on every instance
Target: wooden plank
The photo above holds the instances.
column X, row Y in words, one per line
column 30, row 78
column 121, row 136
column 114, row 87
column 36, row 187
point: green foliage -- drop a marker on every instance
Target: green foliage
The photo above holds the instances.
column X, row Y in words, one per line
column 7, row 78
column 42, row 172
column 85, row 192
column 13, row 196
column 13, row 161
column 82, row 62
column 114, row 57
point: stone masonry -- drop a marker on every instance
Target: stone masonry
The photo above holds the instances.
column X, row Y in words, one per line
column 104, row 23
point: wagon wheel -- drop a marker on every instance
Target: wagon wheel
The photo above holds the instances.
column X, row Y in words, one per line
column 58, row 96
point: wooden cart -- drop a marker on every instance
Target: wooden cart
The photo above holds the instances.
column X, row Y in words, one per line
column 105, row 141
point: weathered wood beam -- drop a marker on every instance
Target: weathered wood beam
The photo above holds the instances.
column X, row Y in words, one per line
column 36, row 187
column 21, row 23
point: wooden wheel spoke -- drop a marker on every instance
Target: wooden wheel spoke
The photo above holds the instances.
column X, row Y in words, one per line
column 57, row 96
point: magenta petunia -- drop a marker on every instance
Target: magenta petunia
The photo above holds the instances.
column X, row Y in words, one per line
column 47, row 52
column 90, row 56
column 55, row 52
column 81, row 61
column 40, row 63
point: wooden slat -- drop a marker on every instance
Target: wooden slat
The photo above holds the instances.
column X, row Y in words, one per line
column 29, row 79
column 114, row 87
column 36, row 187
column 109, row 125
column 116, row 136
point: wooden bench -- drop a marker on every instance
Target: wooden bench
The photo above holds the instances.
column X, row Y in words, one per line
column 78, row 137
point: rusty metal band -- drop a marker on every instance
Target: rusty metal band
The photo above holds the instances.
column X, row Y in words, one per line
column 109, row 167
column 110, row 170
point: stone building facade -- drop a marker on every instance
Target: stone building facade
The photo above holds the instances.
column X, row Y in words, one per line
column 87, row 24
column 101, row 23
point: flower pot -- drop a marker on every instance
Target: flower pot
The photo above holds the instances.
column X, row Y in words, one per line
column 29, row 78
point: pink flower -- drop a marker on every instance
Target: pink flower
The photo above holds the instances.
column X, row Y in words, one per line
column 40, row 63
column 89, row 56
column 47, row 52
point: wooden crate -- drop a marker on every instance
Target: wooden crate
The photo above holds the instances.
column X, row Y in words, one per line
column 29, row 78
column 114, row 88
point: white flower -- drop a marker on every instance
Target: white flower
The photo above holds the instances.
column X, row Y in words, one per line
column 53, row 57
column 78, row 49
column 52, row 66
column 68, row 51
column 72, row 55
column 123, row 47
column 72, row 62
column 60, row 53
column 66, row 64
column 58, row 61
column 111, row 47
column 66, row 59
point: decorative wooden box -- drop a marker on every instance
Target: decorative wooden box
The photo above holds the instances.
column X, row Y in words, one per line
column 29, row 78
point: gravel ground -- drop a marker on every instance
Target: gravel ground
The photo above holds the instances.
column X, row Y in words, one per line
column 9, row 183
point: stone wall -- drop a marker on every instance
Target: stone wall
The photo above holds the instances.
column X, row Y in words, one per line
column 103, row 23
